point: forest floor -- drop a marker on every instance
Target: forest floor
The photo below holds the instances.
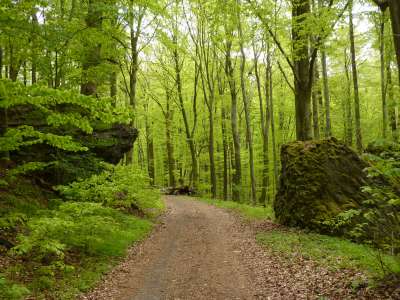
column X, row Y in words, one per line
column 200, row 251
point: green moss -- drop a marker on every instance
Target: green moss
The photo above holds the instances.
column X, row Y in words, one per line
column 319, row 180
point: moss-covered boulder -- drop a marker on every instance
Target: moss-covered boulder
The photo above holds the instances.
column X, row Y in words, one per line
column 319, row 179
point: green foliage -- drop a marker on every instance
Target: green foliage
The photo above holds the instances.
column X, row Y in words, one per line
column 12, row 291
column 330, row 251
column 377, row 222
column 119, row 187
column 56, row 118
column 75, row 229
column 247, row 211
column 86, row 228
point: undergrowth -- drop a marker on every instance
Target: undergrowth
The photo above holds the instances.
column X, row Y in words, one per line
column 330, row 251
column 248, row 211
column 62, row 247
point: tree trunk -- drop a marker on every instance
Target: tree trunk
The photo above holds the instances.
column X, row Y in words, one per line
column 1, row 62
column 383, row 87
column 348, row 110
column 265, row 120
column 169, row 142
column 301, row 70
column 328, row 127
column 237, row 168
column 221, row 93
column 91, row 56
column 150, row 151
column 392, row 101
column 246, row 104
column 270, row 91
column 394, row 6
column 225, row 151
column 189, row 136
column 317, row 94
column 355, row 80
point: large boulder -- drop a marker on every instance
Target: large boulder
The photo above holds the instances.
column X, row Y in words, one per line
column 319, row 180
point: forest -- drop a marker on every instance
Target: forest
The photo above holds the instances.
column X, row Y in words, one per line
column 282, row 113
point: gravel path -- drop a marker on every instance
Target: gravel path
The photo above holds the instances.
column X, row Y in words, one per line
column 203, row 252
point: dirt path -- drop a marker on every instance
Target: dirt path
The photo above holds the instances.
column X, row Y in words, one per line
column 194, row 255
column 203, row 252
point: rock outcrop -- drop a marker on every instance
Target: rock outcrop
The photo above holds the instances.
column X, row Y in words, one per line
column 319, row 180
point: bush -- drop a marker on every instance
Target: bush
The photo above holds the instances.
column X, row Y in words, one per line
column 12, row 291
column 119, row 187
column 85, row 228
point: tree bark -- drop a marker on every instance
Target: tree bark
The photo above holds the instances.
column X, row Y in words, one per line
column 246, row 104
column 150, row 151
column 237, row 168
column 328, row 127
column 91, row 56
column 355, row 81
column 221, row 93
column 189, row 137
column 169, row 142
column 392, row 101
column 348, row 110
column 394, row 6
column 316, row 99
column 265, row 121
column 382, row 61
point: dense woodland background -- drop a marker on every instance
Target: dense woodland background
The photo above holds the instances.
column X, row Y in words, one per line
column 206, row 91
column 213, row 84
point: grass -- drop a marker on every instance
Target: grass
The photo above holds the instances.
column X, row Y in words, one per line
column 248, row 211
column 329, row 251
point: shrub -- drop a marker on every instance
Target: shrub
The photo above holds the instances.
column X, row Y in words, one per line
column 12, row 291
column 119, row 187
column 85, row 228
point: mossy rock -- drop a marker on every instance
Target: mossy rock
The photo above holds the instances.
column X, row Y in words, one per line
column 319, row 180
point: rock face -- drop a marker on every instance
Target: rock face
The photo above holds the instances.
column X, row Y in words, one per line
column 319, row 179
column 107, row 143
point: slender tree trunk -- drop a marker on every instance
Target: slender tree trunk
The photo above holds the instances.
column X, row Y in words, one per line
column 394, row 6
column 211, row 154
column 225, row 151
column 169, row 142
column 348, row 109
column 265, row 120
column 3, row 113
column 1, row 62
column 328, row 127
column 355, row 80
column 221, row 94
column 383, row 88
column 269, row 91
column 150, row 151
column 189, row 136
column 317, row 94
column 392, row 102
column 246, row 104
column 35, row 25
column 237, row 168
